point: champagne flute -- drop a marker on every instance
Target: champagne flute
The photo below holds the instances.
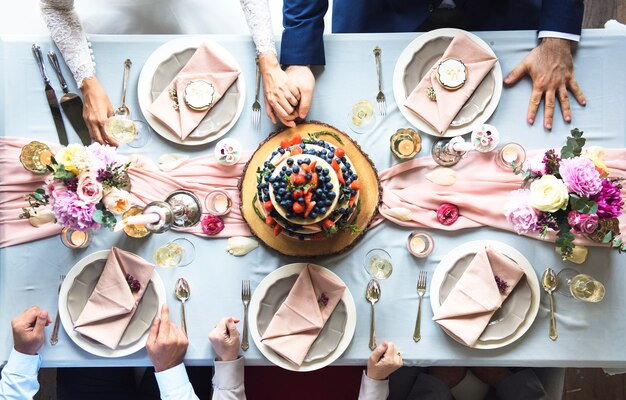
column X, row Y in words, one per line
column 378, row 264
column 177, row 253
column 580, row 286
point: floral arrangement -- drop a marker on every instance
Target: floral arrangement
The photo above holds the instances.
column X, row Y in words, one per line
column 85, row 189
column 569, row 193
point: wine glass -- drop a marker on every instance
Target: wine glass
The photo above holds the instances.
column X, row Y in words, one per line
column 362, row 118
column 572, row 283
column 177, row 253
column 378, row 264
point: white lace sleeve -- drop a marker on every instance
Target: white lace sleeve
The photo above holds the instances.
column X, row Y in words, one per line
column 67, row 32
column 260, row 24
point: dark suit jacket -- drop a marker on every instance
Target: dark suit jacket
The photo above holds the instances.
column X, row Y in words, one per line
column 303, row 20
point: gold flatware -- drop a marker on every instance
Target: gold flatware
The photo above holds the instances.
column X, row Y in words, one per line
column 372, row 294
column 549, row 283
column 380, row 97
column 245, row 298
column 421, row 290
column 54, row 339
column 182, row 293
column 256, row 106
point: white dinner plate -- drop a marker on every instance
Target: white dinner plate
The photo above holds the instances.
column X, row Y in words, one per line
column 492, row 340
column 90, row 345
column 317, row 363
column 144, row 87
column 400, row 93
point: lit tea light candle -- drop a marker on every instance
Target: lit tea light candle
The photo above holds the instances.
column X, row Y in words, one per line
column 78, row 238
column 218, row 203
column 420, row 244
column 45, row 157
column 405, row 143
column 75, row 239
column 510, row 154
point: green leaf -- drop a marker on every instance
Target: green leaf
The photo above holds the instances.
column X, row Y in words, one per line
column 40, row 191
column 608, row 237
column 98, row 216
column 63, row 174
column 577, row 133
column 256, row 210
column 583, row 204
column 316, row 135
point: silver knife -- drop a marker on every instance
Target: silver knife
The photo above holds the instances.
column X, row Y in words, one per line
column 70, row 102
column 52, row 98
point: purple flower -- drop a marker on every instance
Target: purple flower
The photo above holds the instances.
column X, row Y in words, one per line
column 502, row 285
column 547, row 221
column 580, row 176
column 100, row 156
column 73, row 212
column 322, row 300
column 551, row 162
column 520, row 214
column 609, row 200
column 133, row 283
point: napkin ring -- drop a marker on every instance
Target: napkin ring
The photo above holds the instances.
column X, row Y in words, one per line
column 174, row 98
column 451, row 73
column 430, row 93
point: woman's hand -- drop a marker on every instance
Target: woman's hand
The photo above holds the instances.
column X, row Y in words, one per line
column 97, row 109
column 280, row 93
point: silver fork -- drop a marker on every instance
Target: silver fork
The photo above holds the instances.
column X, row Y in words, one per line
column 256, row 106
column 54, row 339
column 421, row 290
column 245, row 297
column 380, row 97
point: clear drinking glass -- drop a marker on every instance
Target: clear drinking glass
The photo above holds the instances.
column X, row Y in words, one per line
column 134, row 133
column 177, row 253
column 583, row 287
column 378, row 264
column 362, row 117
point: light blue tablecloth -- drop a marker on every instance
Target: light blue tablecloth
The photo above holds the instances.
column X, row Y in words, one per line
column 590, row 335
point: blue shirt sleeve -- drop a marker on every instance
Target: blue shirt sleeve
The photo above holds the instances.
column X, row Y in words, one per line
column 19, row 376
column 302, row 40
column 562, row 16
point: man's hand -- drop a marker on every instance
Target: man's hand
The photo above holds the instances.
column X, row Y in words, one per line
column 281, row 95
column 551, row 68
column 97, row 109
column 225, row 339
column 384, row 360
column 303, row 78
column 166, row 344
column 28, row 335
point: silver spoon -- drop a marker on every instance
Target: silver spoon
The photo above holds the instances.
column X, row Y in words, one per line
column 372, row 294
column 549, row 282
column 123, row 109
column 182, row 293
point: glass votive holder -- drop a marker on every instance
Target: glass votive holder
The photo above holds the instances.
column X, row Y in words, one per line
column 75, row 239
column 218, row 202
column 35, row 157
column 420, row 244
column 135, row 231
column 405, row 143
column 511, row 155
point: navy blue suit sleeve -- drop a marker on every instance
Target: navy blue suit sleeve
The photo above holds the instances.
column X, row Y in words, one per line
column 303, row 23
column 562, row 16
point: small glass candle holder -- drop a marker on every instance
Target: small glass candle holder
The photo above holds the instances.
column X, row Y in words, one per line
column 362, row 118
column 137, row 231
column 444, row 154
column 35, row 157
column 510, row 156
column 75, row 239
column 405, row 143
column 218, row 202
column 420, row 244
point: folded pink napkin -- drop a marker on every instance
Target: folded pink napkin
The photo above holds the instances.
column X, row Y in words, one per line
column 301, row 317
column 204, row 65
column 112, row 303
column 440, row 113
column 468, row 308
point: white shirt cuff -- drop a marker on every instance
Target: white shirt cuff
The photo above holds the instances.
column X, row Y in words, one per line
column 23, row 364
column 560, row 35
column 172, row 379
column 228, row 375
column 373, row 389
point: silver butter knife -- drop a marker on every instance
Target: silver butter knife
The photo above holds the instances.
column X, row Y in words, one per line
column 52, row 98
column 70, row 102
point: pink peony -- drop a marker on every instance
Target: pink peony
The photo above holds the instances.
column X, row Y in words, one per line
column 447, row 213
column 580, row 176
column 212, row 225
column 89, row 189
column 73, row 212
column 54, row 188
column 520, row 214
column 100, row 156
column 535, row 164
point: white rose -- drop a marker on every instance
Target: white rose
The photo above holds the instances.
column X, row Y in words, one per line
column 548, row 194
column 117, row 201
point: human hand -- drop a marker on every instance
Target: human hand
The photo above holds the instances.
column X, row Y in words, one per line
column 303, row 78
column 551, row 68
column 225, row 339
column 97, row 109
column 281, row 95
column 384, row 360
column 28, row 335
column 167, row 344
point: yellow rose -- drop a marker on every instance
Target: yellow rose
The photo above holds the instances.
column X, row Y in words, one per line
column 72, row 157
column 117, row 201
column 597, row 155
column 548, row 194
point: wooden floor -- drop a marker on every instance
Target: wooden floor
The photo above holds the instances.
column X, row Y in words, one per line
column 580, row 384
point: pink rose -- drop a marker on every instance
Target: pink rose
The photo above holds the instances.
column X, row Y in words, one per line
column 89, row 189
column 447, row 213
column 54, row 188
column 573, row 218
column 212, row 225
column 117, row 201
column 583, row 223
